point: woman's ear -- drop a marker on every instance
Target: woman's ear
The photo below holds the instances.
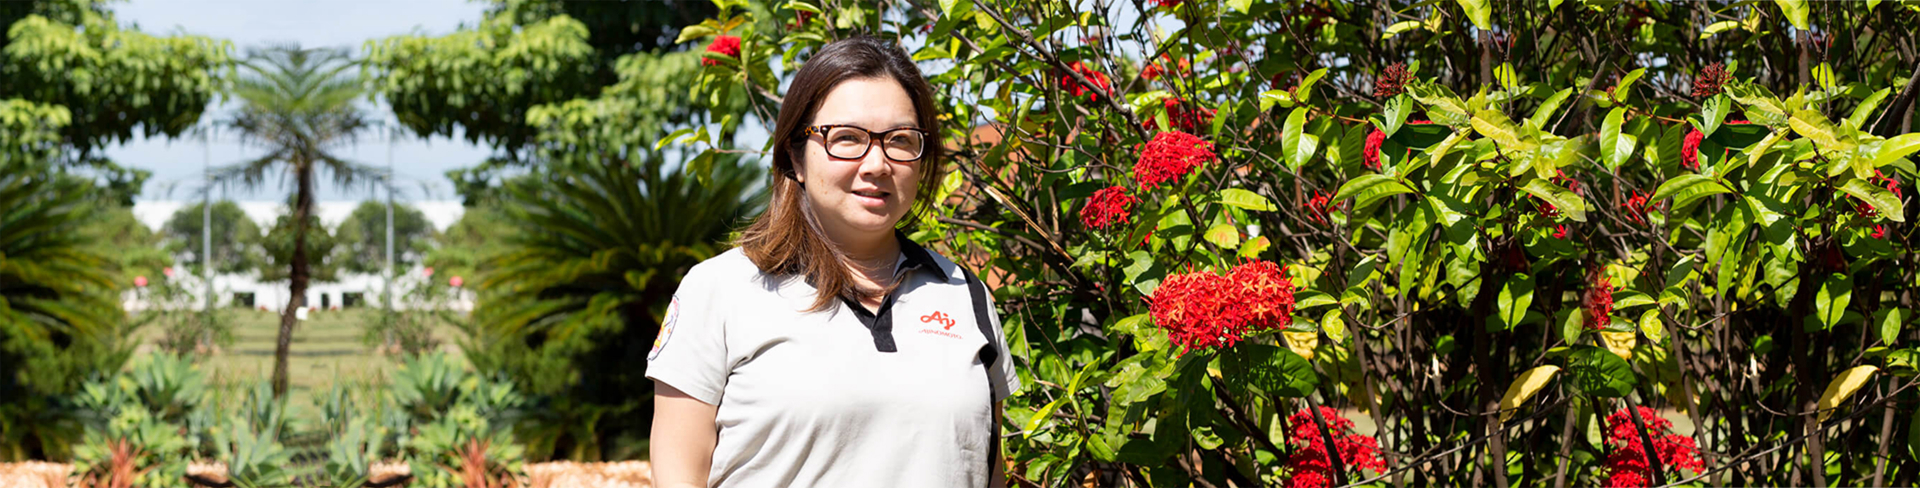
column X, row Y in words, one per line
column 797, row 156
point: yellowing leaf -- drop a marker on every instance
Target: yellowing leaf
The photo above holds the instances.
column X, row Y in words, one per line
column 1621, row 343
column 1843, row 387
column 1301, row 343
column 1524, row 387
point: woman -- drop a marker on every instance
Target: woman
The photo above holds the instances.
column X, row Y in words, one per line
column 828, row 349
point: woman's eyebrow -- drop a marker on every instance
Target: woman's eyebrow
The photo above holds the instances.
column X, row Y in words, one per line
column 905, row 125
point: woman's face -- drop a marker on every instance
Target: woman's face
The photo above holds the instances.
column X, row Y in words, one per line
column 859, row 199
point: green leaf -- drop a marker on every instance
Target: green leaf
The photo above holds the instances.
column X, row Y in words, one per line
column 1547, row 108
column 1674, row 185
column 1573, row 322
column 1891, row 320
column 1270, row 98
column 1242, row 6
column 1274, row 370
column 1245, row 200
column 1496, row 126
column 1895, row 148
column 1815, row 126
column 1479, row 12
column 1224, row 235
column 692, row 32
column 1796, row 12
column 1253, row 247
column 1713, row 112
column 1290, row 145
column 1515, row 297
column 1305, row 89
column 1360, row 183
column 1831, row 301
column 1399, row 27
column 1650, row 325
column 1561, row 198
column 1865, row 109
column 1396, row 113
column 1600, row 372
column 1718, row 27
column 1615, row 147
column 1882, row 200
column 1625, row 87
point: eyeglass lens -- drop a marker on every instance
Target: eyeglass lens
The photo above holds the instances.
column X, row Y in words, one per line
column 852, row 143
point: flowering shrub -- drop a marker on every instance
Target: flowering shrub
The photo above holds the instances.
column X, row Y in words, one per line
column 1481, row 225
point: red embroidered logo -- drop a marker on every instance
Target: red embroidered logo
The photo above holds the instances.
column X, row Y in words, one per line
column 938, row 317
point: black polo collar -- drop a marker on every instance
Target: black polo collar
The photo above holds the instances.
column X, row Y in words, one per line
column 880, row 322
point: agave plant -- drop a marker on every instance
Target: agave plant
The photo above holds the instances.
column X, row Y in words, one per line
column 571, row 302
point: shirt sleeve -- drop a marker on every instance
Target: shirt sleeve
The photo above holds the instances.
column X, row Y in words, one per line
column 691, row 351
column 1004, row 380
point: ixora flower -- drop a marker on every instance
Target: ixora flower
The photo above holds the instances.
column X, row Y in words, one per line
column 1637, row 207
column 1393, row 81
column 1626, row 465
column 1320, row 205
column 1710, row 80
column 1169, row 157
column 1690, row 149
column 1107, row 207
column 1599, row 301
column 1165, row 66
column 1073, row 86
column 1310, row 465
column 1371, row 155
column 728, row 46
column 1207, row 310
column 1168, row 3
column 1181, row 117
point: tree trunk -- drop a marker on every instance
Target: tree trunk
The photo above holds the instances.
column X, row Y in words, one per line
column 297, row 277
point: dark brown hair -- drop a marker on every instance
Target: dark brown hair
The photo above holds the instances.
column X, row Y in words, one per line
column 787, row 239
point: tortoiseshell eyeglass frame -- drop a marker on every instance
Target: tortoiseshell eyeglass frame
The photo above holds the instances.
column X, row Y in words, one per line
column 822, row 130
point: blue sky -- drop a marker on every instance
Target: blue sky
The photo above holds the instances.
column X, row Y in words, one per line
column 177, row 163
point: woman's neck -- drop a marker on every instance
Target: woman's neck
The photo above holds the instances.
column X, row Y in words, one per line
column 871, row 256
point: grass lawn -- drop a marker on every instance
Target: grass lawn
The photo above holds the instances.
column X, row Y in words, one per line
column 327, row 349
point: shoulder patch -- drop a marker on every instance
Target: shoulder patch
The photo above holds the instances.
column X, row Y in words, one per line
column 666, row 328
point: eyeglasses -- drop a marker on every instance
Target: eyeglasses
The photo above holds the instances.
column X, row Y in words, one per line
column 903, row 145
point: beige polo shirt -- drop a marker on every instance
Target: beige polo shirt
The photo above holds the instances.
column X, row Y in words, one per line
column 838, row 398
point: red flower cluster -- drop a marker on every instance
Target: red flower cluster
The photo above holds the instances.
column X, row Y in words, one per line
column 1202, row 309
column 1320, row 205
column 1690, row 149
column 1637, row 208
column 1393, row 81
column 1181, row 117
column 1310, row 464
column 1168, row 3
column 1107, row 207
column 1599, row 301
column 1169, row 157
column 1073, row 86
column 1371, row 155
column 1710, row 80
column 1161, row 68
column 1626, row 465
column 728, row 46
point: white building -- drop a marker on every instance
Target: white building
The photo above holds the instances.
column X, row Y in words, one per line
column 273, row 295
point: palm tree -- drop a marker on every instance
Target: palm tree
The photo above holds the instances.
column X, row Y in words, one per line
column 298, row 104
column 571, row 300
column 58, row 316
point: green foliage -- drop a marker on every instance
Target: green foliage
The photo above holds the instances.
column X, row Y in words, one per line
column 59, row 320
column 458, row 419
column 363, row 237
column 323, row 261
column 139, row 417
column 594, row 255
column 236, row 238
column 1522, row 191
